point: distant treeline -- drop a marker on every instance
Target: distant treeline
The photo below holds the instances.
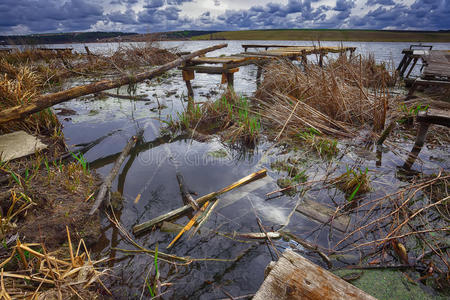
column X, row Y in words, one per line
column 92, row 37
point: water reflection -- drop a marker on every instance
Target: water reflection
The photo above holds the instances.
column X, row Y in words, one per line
column 150, row 171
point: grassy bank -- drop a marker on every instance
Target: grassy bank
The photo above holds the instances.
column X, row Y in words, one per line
column 331, row 35
column 46, row 197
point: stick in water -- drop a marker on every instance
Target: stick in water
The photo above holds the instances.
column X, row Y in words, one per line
column 117, row 164
column 140, row 228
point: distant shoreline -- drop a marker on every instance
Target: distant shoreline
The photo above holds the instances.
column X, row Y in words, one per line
column 330, row 35
column 344, row 35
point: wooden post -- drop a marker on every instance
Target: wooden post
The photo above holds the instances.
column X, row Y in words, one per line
column 230, row 79
column 420, row 141
column 400, row 65
column 405, row 66
column 412, row 67
column 258, row 76
column 321, row 59
column 352, row 50
column 189, row 75
column 304, row 58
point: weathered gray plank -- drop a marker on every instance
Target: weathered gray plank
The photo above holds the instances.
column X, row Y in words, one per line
column 295, row 277
column 323, row 214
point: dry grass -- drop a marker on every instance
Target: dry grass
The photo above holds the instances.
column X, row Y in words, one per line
column 33, row 273
column 125, row 58
column 334, row 100
column 19, row 84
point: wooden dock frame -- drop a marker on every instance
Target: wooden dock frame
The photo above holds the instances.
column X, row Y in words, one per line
column 414, row 53
column 228, row 65
column 295, row 277
column 425, row 119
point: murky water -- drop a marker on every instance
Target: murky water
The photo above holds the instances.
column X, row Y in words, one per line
column 150, row 171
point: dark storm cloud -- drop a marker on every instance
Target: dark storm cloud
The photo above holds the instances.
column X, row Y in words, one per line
column 422, row 15
column 164, row 15
column 52, row 15
column 382, row 2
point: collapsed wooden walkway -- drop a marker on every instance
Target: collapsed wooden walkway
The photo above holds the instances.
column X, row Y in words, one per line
column 228, row 65
column 435, row 70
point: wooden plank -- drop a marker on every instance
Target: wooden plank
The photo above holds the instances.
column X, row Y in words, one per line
column 434, row 116
column 140, row 228
column 295, row 277
column 188, row 74
column 323, row 214
column 209, row 70
column 219, row 60
column 437, row 64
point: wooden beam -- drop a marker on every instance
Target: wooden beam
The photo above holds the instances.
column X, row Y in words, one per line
column 208, row 70
column 295, row 277
column 138, row 229
column 434, row 116
column 48, row 100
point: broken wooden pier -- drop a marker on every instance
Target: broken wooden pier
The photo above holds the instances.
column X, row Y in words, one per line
column 228, row 65
column 295, row 277
column 425, row 119
column 435, row 70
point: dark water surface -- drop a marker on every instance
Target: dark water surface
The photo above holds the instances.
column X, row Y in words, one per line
column 208, row 166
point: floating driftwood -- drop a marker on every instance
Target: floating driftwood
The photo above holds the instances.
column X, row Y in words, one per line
column 295, row 277
column 140, row 228
column 48, row 100
column 117, row 164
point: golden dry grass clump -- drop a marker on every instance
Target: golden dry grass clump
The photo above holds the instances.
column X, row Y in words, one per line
column 334, row 100
column 19, row 84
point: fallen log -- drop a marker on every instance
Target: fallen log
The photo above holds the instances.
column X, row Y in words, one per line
column 48, row 100
column 140, row 228
column 117, row 164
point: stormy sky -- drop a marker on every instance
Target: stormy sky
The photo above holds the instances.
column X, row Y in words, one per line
column 39, row 16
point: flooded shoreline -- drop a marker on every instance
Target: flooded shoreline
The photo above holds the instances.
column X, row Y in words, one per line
column 149, row 186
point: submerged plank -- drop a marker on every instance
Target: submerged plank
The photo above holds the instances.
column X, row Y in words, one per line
column 323, row 214
column 295, row 277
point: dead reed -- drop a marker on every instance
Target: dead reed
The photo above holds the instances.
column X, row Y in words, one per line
column 412, row 224
column 19, row 84
column 334, row 100
column 30, row 272
column 122, row 60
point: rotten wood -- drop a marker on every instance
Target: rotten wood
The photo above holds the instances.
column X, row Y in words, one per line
column 295, row 277
column 187, row 198
column 324, row 214
column 107, row 183
column 189, row 224
column 140, row 228
column 48, row 100
column 386, row 132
